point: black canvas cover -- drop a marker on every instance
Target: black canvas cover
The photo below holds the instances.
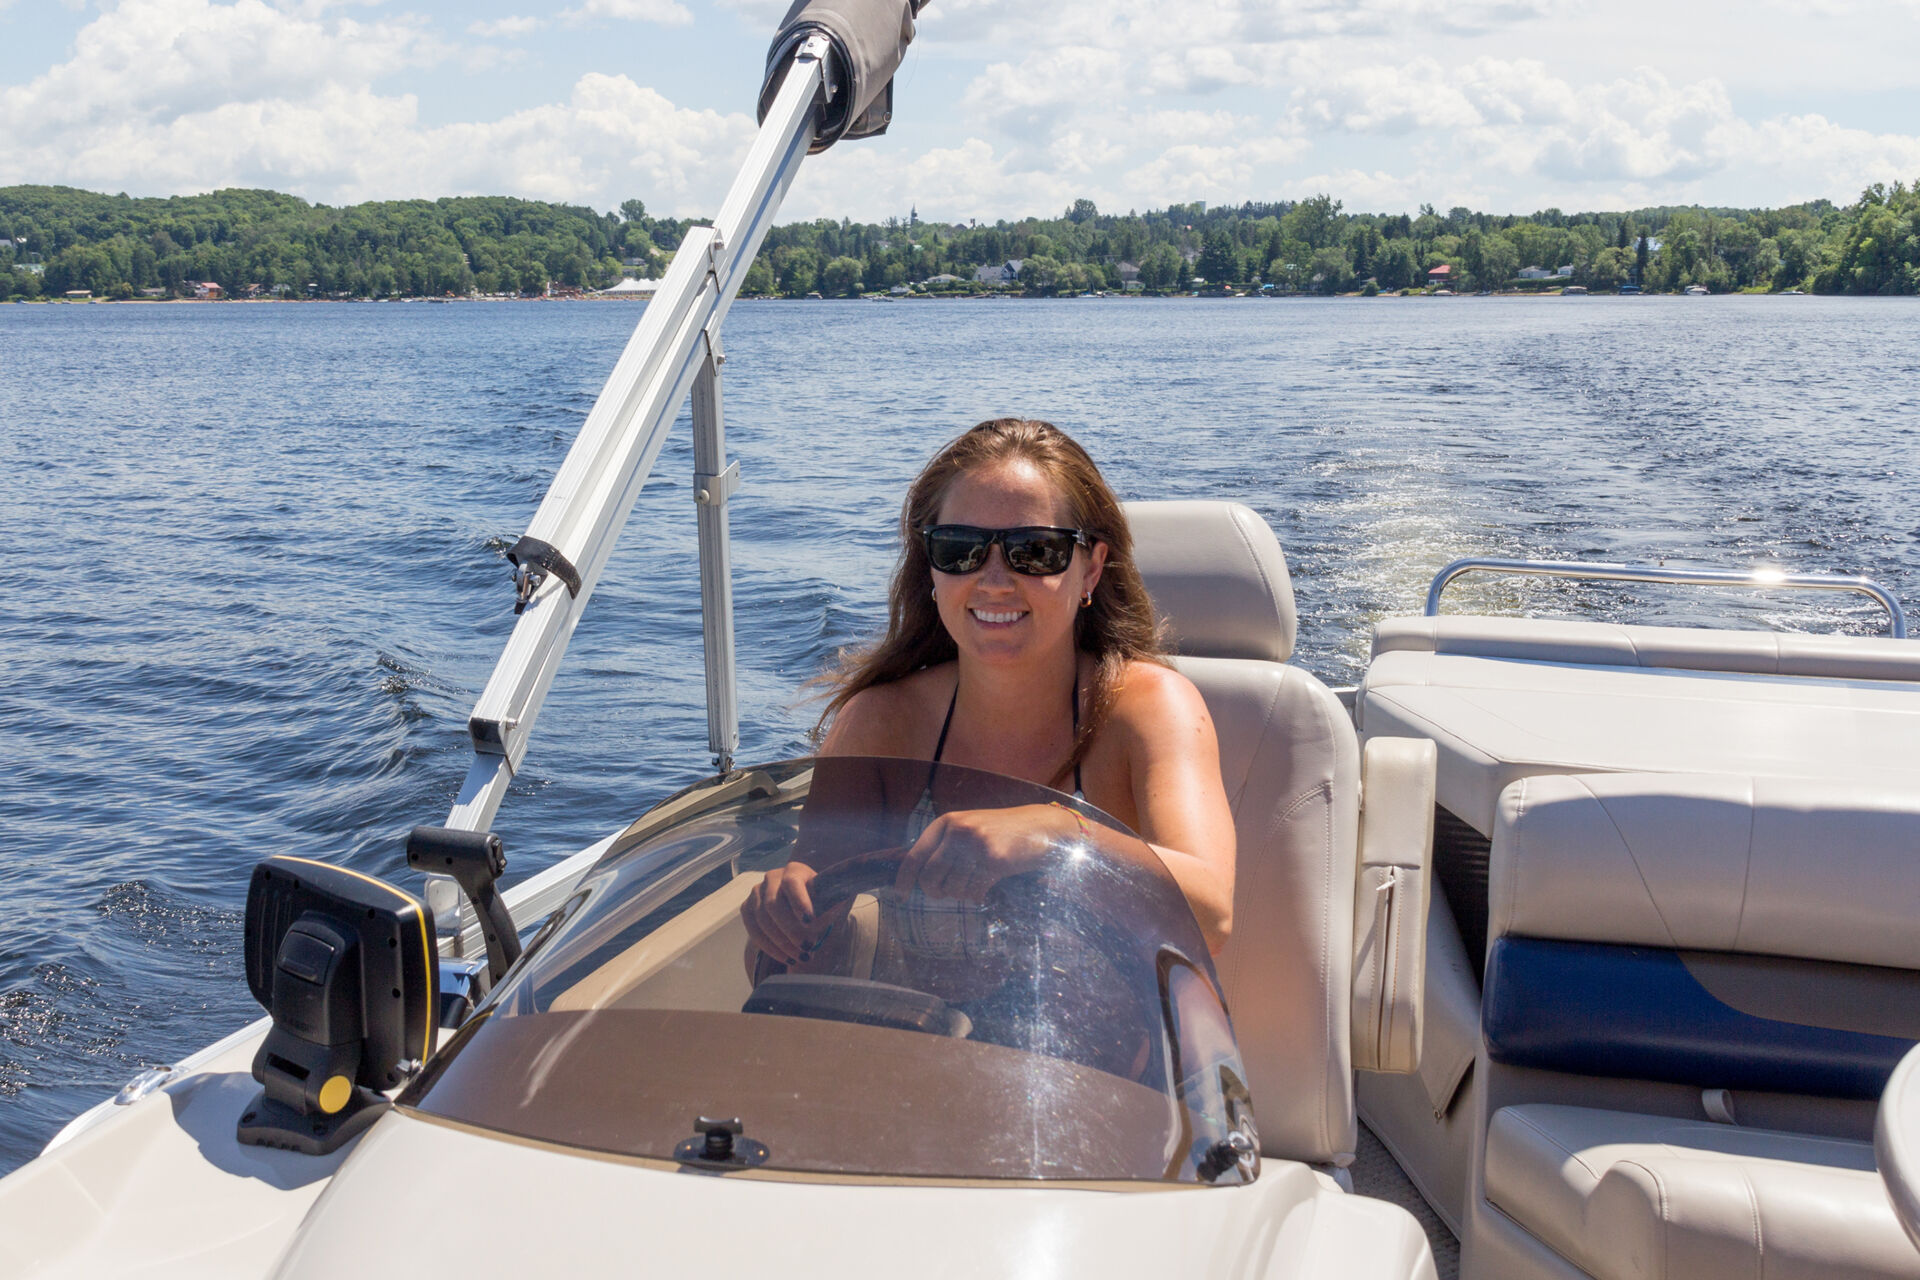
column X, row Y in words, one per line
column 869, row 38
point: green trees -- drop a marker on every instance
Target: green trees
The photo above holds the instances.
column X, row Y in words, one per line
column 1397, row 264
column 1364, row 246
column 1879, row 252
column 53, row 239
column 759, row 278
column 1040, row 275
column 1610, row 269
column 263, row 242
column 1219, row 262
column 1161, row 267
column 841, row 279
column 1499, row 261
column 1314, row 221
column 798, row 270
column 1329, row 271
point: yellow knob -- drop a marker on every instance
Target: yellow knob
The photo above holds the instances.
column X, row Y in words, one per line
column 335, row 1093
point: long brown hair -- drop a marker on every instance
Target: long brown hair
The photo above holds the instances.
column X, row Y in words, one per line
column 1117, row 628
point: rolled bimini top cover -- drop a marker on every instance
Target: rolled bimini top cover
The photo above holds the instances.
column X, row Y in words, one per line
column 869, row 38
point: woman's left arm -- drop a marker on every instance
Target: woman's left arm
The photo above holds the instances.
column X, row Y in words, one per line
column 1173, row 761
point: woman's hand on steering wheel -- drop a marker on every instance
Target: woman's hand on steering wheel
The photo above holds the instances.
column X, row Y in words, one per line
column 780, row 916
column 962, row 855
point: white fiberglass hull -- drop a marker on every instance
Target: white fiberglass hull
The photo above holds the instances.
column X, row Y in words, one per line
column 581, row 1216
column 161, row 1189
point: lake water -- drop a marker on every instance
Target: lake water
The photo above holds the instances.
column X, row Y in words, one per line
column 256, row 577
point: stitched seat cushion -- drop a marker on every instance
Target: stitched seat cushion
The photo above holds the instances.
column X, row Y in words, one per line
column 1621, row 1194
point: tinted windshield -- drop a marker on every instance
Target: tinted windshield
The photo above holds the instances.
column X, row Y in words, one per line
column 1068, row 1028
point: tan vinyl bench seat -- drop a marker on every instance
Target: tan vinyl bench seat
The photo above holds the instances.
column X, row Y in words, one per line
column 1621, row 1195
column 1508, row 698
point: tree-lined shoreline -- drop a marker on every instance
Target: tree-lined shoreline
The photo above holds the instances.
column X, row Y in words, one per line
column 59, row 240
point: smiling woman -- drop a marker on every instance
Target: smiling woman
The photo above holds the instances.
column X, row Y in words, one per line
column 1021, row 640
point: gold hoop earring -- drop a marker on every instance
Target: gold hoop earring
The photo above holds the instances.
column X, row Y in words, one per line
column 1086, row 601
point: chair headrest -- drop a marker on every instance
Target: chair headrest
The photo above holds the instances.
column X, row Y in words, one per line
column 1217, row 578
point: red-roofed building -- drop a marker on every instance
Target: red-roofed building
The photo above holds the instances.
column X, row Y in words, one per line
column 1440, row 275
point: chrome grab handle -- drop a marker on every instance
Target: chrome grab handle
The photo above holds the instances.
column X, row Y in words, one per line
column 1896, row 619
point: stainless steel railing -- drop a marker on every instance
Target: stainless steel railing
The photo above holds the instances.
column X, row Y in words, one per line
column 1753, row 578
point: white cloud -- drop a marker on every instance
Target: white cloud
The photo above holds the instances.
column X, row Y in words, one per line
column 1201, row 69
column 1384, row 103
column 1228, row 172
column 1166, row 127
column 188, row 95
column 514, row 25
column 1389, row 100
column 1360, row 190
column 1043, row 89
column 1514, row 126
column 181, row 56
column 664, row 12
column 1230, row 29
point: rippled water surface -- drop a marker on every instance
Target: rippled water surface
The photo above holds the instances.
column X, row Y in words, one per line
column 256, row 577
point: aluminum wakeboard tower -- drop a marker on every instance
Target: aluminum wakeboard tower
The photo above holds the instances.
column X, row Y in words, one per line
column 829, row 76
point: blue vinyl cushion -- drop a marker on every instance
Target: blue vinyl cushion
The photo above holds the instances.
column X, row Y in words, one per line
column 1637, row 1013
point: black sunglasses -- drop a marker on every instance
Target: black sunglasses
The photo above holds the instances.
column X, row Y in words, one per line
column 1038, row 550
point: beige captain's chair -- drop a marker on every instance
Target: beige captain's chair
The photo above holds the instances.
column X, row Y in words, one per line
column 1304, row 1006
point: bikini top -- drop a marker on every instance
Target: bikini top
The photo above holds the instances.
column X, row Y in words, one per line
column 922, row 927
column 941, row 745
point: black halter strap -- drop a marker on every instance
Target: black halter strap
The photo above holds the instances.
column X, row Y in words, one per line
column 947, row 724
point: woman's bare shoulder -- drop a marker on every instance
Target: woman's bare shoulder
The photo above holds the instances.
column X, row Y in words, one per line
column 1157, row 703
column 898, row 718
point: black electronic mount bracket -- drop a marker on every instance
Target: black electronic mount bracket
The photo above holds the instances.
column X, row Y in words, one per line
column 475, row 860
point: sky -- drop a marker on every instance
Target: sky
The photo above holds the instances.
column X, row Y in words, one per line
column 1004, row 108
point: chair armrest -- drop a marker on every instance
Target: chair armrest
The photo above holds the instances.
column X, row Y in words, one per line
column 1392, row 886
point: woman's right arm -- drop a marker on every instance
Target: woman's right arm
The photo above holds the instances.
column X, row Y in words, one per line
column 779, row 912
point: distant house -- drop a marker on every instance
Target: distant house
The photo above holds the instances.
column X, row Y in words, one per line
column 1440, row 275
column 1128, row 271
column 79, row 295
column 1564, row 271
column 941, row 280
column 206, row 289
column 1006, row 273
column 1534, row 273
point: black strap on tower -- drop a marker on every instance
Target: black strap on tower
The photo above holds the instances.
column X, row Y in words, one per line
column 533, row 560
